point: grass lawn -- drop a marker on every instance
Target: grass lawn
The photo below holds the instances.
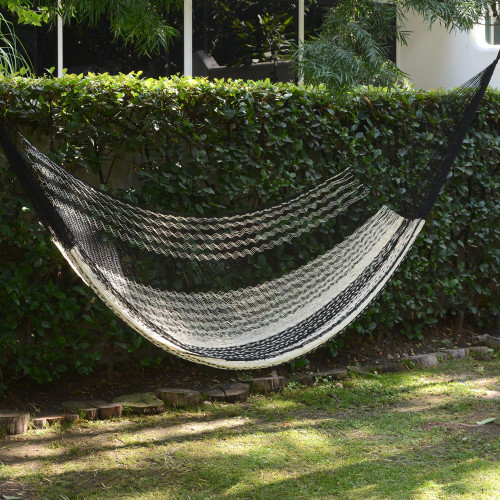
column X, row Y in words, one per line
column 395, row 436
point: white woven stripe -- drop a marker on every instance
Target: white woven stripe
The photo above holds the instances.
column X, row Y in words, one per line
column 251, row 314
column 168, row 222
column 255, row 326
column 152, row 240
column 353, row 307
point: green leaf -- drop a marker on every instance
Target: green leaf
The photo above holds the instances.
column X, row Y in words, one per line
column 486, row 421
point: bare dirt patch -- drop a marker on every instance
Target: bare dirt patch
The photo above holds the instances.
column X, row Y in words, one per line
column 488, row 429
column 15, row 489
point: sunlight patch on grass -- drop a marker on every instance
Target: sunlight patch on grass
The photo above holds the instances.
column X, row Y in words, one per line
column 409, row 435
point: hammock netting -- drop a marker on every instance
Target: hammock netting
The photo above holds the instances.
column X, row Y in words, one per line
column 251, row 289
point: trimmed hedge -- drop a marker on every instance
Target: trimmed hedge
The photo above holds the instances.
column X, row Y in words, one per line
column 203, row 147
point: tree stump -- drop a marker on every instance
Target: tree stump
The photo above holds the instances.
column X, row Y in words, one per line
column 335, row 374
column 179, row 398
column 141, row 403
column 265, row 385
column 236, row 393
column 487, row 340
column 14, row 422
column 45, row 420
column 423, row 360
column 109, row 410
column 86, row 409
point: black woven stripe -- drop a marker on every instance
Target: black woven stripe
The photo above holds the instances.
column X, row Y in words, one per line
column 292, row 338
column 48, row 214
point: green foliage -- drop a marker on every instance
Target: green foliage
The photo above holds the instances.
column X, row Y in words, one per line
column 242, row 31
column 298, row 364
column 335, row 346
column 11, row 59
column 139, row 23
column 352, row 48
column 209, row 147
column 267, row 40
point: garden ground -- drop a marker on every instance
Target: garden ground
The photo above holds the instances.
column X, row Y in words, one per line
column 126, row 378
column 410, row 435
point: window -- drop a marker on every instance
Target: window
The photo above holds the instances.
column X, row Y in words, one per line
column 492, row 25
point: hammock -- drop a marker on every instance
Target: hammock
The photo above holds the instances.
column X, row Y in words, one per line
column 245, row 290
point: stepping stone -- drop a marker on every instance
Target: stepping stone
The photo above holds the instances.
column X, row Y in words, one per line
column 307, row 379
column 423, row 360
column 479, row 352
column 14, row 422
column 488, row 341
column 236, row 393
column 87, row 409
column 179, row 398
column 462, row 353
column 395, row 367
column 71, row 418
column 109, row 410
column 216, row 394
column 441, row 355
column 45, row 420
column 335, row 374
column 141, row 403
column 365, row 372
column 265, row 385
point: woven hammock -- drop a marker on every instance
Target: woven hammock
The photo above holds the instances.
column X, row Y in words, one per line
column 245, row 290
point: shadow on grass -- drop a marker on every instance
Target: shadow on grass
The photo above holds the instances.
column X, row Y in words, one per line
column 301, row 444
column 252, row 473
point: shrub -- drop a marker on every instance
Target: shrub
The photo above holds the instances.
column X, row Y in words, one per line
column 203, row 147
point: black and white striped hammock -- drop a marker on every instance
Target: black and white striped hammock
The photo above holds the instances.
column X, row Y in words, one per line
column 247, row 290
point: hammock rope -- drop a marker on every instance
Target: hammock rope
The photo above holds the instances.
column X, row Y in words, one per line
column 245, row 290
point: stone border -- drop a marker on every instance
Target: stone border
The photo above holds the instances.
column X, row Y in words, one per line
column 239, row 391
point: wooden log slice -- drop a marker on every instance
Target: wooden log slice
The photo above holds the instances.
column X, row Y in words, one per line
column 307, row 379
column 364, row 372
column 215, row 394
column 335, row 374
column 86, row 409
column 141, row 403
column 14, row 422
column 394, row 367
column 488, row 341
column 441, row 355
column 423, row 360
column 457, row 353
column 109, row 410
column 236, row 393
column 479, row 352
column 179, row 398
column 71, row 418
column 45, row 420
column 39, row 423
column 265, row 385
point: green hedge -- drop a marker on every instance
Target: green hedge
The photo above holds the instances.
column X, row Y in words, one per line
column 195, row 146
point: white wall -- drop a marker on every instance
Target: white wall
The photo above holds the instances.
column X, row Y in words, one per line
column 435, row 58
